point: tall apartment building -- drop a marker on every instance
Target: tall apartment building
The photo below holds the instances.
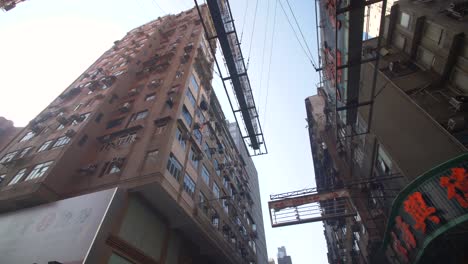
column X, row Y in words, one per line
column 262, row 255
column 397, row 139
column 7, row 131
column 372, row 18
column 143, row 119
column 7, row 5
column 283, row 257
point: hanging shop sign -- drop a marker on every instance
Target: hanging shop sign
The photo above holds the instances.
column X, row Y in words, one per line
column 426, row 208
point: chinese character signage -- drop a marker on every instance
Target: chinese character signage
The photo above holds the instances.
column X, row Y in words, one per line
column 426, row 208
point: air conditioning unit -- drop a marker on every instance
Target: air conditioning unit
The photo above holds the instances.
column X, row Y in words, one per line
column 456, row 124
column 133, row 92
column 105, row 139
column 170, row 102
column 459, row 103
column 62, row 120
column 88, row 170
column 37, row 128
column 70, row 133
column 204, row 105
column 186, row 136
column 125, row 107
column 196, row 125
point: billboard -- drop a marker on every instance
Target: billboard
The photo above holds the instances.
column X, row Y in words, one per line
column 61, row 231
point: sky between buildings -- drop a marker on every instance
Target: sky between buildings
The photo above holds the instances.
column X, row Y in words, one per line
column 46, row 44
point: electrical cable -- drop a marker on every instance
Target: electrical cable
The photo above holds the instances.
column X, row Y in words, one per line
column 159, row 6
column 251, row 35
column 295, row 34
column 263, row 53
column 300, row 30
column 243, row 22
column 269, row 64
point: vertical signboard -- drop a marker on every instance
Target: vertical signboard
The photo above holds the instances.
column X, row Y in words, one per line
column 61, row 231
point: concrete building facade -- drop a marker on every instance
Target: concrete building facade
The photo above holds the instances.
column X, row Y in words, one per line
column 396, row 146
column 143, row 118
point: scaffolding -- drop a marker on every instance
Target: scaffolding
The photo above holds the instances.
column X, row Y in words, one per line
column 238, row 78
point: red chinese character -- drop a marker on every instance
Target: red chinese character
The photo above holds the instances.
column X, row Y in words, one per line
column 418, row 209
column 457, row 186
column 408, row 237
column 399, row 248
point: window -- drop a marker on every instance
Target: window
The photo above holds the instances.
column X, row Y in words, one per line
column 152, row 154
column 216, row 166
column 8, row 157
column 216, row 190
column 459, row 79
column 139, row 115
column 19, row 175
column 28, row 136
column 190, row 97
column 114, row 168
column 194, row 83
column 82, row 118
column 150, row 97
column 206, row 149
column 180, row 138
column 38, row 171
column 198, row 136
column 433, row 32
column 200, row 116
column 61, row 141
column 24, row 152
column 2, row 178
column 399, row 41
column 202, row 202
column 425, row 57
column 205, row 175
column 226, row 205
column 60, row 127
column 115, row 122
column 189, row 185
column 193, row 156
column 404, row 20
column 187, row 116
column 78, row 106
column 179, row 74
column 45, row 146
column 215, row 219
column 126, row 139
column 174, row 167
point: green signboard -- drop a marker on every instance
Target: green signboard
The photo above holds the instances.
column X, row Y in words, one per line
column 429, row 206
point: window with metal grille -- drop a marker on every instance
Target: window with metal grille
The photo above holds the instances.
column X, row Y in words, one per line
column 205, row 175
column 61, row 141
column 8, row 157
column 19, row 175
column 45, row 146
column 174, row 167
column 187, row 116
column 189, row 185
column 28, row 136
column 190, row 97
column 39, row 170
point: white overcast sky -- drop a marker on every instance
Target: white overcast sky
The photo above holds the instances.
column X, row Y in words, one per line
column 46, row 44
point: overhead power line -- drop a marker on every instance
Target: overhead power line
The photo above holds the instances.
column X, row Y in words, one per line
column 243, row 22
column 263, row 51
column 269, row 64
column 303, row 38
column 159, row 6
column 295, row 34
column 253, row 30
